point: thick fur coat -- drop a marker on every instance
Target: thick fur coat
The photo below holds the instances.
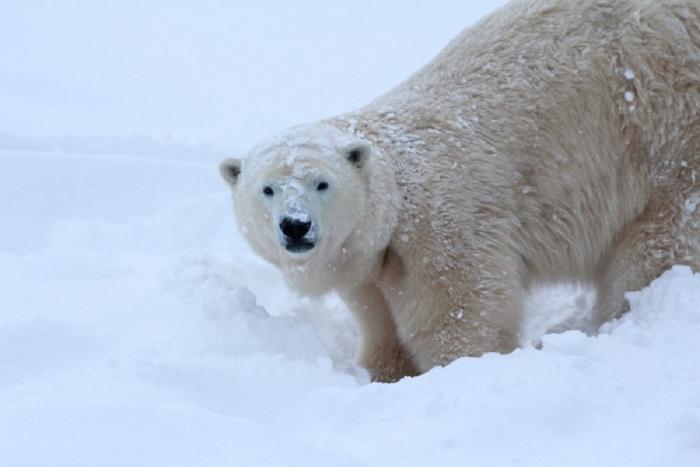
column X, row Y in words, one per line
column 554, row 140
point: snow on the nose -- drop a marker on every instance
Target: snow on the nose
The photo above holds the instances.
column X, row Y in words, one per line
column 294, row 206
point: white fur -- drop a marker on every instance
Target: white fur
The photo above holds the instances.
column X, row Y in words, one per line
column 554, row 140
column 293, row 163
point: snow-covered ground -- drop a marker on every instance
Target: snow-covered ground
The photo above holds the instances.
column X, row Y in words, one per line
column 138, row 329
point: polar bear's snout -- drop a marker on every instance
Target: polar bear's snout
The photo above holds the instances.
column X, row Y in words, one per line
column 297, row 234
column 294, row 229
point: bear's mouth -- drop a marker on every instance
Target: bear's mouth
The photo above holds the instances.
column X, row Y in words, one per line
column 300, row 246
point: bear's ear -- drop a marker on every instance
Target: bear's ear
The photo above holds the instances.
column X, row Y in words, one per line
column 230, row 169
column 358, row 152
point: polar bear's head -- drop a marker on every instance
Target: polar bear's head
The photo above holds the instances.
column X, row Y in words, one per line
column 315, row 201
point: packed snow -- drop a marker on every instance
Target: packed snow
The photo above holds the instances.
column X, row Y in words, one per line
column 138, row 329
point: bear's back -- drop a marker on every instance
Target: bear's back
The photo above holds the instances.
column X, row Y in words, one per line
column 542, row 114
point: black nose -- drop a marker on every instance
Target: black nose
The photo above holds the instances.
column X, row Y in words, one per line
column 294, row 228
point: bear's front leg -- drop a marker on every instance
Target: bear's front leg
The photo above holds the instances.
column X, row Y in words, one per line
column 381, row 352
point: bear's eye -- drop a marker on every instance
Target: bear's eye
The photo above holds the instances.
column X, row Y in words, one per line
column 322, row 186
column 354, row 156
column 267, row 191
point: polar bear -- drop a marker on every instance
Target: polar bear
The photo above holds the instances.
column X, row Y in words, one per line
column 555, row 140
